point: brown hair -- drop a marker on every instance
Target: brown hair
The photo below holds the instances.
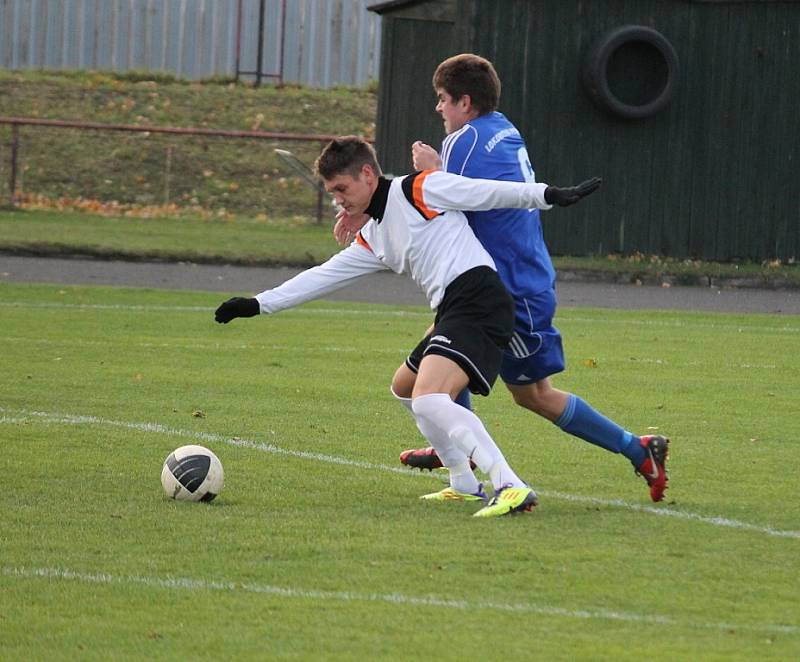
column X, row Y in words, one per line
column 469, row 74
column 346, row 155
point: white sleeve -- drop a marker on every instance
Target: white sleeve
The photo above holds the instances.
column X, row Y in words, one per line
column 338, row 271
column 445, row 191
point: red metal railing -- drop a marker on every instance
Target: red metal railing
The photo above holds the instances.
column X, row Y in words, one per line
column 224, row 133
column 16, row 122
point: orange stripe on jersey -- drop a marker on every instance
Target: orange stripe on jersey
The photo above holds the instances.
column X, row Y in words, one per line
column 419, row 200
column 363, row 242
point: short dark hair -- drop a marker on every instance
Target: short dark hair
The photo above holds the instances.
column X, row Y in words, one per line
column 470, row 74
column 346, row 155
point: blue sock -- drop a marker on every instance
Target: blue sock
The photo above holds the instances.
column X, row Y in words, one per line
column 580, row 420
column 464, row 399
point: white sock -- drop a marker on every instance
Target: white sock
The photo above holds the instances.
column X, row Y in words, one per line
column 465, row 430
column 462, row 478
column 406, row 402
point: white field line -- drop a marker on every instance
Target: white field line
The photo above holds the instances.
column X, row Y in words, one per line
column 189, row 584
column 71, row 419
column 678, row 514
column 17, row 417
column 563, row 316
column 74, row 342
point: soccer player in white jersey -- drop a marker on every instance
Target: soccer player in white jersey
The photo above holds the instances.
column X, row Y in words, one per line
column 482, row 143
column 411, row 225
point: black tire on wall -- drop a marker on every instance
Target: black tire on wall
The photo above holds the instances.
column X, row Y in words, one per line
column 631, row 71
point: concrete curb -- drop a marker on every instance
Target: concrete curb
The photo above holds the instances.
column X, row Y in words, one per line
column 668, row 280
column 566, row 275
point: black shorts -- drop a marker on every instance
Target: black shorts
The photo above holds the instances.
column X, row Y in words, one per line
column 473, row 326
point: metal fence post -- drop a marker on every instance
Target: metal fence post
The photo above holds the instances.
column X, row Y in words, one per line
column 12, row 181
column 260, row 46
column 167, row 173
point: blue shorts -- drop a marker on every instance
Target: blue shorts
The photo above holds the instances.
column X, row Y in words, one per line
column 535, row 350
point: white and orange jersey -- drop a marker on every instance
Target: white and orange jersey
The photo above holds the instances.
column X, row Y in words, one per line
column 416, row 228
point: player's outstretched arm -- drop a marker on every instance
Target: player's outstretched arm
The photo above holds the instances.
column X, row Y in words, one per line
column 442, row 191
column 237, row 307
column 335, row 273
column 563, row 197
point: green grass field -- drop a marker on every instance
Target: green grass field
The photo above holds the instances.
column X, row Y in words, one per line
column 237, row 241
column 319, row 548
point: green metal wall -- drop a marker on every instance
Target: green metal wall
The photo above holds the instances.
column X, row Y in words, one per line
column 711, row 176
column 414, row 40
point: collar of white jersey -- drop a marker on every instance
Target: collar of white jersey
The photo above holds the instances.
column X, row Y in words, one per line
column 377, row 205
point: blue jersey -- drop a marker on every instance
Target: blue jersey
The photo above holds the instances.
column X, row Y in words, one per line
column 490, row 147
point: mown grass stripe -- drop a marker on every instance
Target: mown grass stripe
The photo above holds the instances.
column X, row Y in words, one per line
column 191, row 584
column 73, row 419
column 565, row 314
column 401, row 350
column 207, row 309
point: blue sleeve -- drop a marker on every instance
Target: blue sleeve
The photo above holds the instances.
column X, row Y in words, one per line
column 457, row 150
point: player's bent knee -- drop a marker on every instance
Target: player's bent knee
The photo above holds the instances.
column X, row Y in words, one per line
column 403, row 382
column 540, row 398
column 528, row 396
column 428, row 405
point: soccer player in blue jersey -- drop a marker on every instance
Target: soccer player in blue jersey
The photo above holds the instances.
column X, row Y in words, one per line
column 482, row 143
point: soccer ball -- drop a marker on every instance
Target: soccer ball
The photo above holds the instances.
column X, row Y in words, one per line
column 192, row 473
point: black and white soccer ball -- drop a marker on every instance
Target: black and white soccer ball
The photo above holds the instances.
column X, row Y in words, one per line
column 192, row 473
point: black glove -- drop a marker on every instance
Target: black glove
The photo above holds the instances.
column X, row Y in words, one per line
column 563, row 197
column 237, row 307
